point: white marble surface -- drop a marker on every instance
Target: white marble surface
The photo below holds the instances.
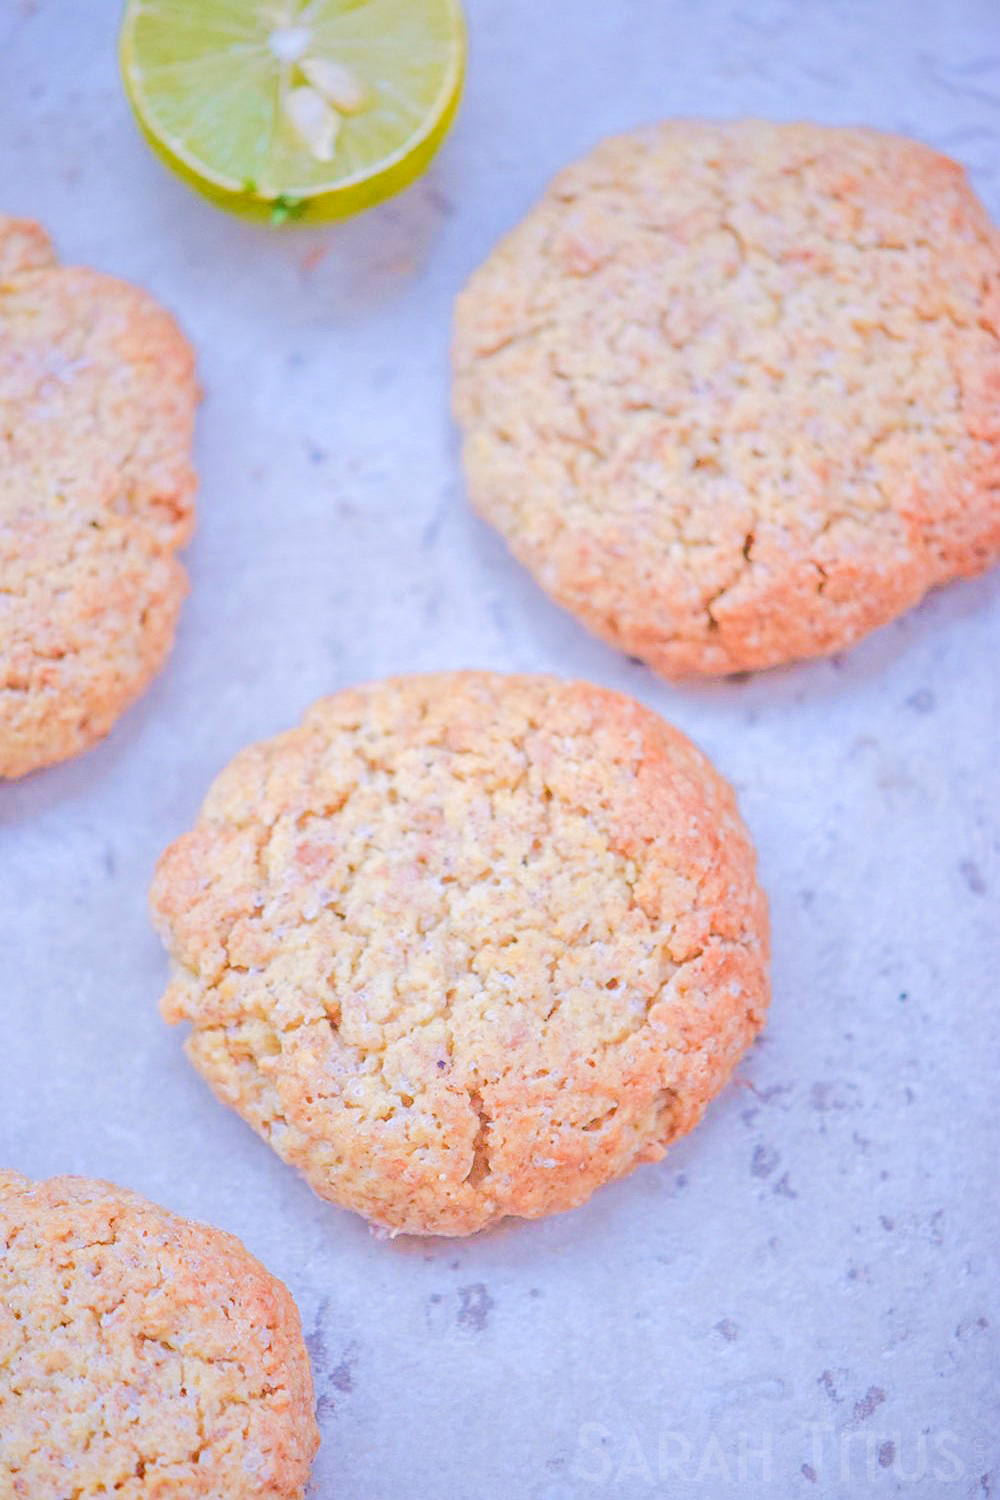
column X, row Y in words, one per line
column 811, row 1279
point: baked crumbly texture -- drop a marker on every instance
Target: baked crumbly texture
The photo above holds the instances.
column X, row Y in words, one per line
column 97, row 398
column 465, row 945
column 142, row 1355
column 732, row 392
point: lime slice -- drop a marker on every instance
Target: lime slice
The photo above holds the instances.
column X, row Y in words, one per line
column 302, row 110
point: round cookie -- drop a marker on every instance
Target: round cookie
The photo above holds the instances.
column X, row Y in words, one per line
column 732, row 392
column 143, row 1355
column 466, row 945
column 97, row 398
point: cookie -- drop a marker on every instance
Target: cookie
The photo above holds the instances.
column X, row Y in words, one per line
column 732, row 392
column 97, row 398
column 142, row 1355
column 466, row 945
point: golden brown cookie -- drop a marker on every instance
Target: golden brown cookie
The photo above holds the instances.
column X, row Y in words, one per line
column 732, row 392
column 142, row 1355
column 466, row 945
column 97, row 398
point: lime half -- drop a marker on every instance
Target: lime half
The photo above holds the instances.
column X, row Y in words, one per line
column 303, row 110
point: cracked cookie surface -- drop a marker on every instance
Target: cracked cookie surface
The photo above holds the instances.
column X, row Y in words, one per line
column 732, row 392
column 97, row 398
column 465, row 945
column 142, row 1355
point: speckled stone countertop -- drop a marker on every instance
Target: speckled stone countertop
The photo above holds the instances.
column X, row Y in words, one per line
column 803, row 1299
